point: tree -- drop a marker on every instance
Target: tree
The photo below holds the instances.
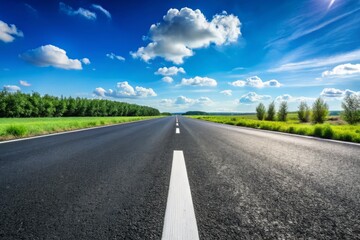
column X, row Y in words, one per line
column 260, row 111
column 304, row 112
column 283, row 111
column 351, row 106
column 271, row 112
column 320, row 111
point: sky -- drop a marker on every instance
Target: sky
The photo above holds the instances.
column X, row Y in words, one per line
column 181, row 55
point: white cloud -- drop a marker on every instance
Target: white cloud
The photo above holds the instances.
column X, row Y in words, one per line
column 167, row 102
column 24, row 83
column 125, row 90
column 182, row 31
column 80, row 12
column 204, row 101
column 9, row 32
column 337, row 93
column 114, row 56
column 184, row 100
column 289, row 98
column 50, row 55
column 319, row 62
column 199, row 81
column 343, row 69
column 12, row 88
column 85, row 61
column 167, row 79
column 253, row 97
column 227, row 92
column 171, row 71
column 256, row 82
column 101, row 9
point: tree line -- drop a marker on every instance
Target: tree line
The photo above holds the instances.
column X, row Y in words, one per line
column 20, row 104
column 317, row 113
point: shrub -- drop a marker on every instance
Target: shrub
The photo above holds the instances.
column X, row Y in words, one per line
column 320, row 111
column 260, row 111
column 16, row 130
column 318, row 131
column 271, row 112
column 304, row 112
column 328, row 132
column 351, row 106
column 283, row 111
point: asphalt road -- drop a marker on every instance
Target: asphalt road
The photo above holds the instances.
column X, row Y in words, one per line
column 113, row 183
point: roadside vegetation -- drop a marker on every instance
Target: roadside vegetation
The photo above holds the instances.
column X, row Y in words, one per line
column 314, row 121
column 11, row 128
column 23, row 115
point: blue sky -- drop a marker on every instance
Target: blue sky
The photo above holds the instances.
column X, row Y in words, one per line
column 183, row 55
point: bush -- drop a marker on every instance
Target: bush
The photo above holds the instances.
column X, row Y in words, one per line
column 260, row 111
column 328, row 132
column 17, row 131
column 271, row 112
column 320, row 111
column 283, row 111
column 318, row 131
column 304, row 112
column 351, row 106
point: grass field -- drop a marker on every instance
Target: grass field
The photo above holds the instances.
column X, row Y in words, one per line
column 11, row 128
column 334, row 128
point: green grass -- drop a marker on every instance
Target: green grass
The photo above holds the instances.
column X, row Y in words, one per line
column 11, row 128
column 329, row 130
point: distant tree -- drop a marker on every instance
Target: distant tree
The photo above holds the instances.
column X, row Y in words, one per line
column 351, row 106
column 320, row 110
column 283, row 111
column 271, row 112
column 304, row 112
column 260, row 111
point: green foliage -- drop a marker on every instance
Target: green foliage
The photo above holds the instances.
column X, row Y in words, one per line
column 165, row 114
column 340, row 132
column 320, row 110
column 351, row 106
column 260, row 111
column 304, row 112
column 195, row 113
column 16, row 130
column 271, row 112
column 15, row 105
column 283, row 112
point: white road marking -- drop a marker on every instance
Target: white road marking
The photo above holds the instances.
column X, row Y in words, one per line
column 180, row 221
column 177, row 131
column 177, row 124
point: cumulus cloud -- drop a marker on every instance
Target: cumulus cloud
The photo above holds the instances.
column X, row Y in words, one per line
column 85, row 61
column 9, row 32
column 185, row 101
column 50, row 55
column 12, row 88
column 101, row 9
column 343, row 69
column 114, row 56
column 125, row 90
column 199, row 81
column 204, row 101
column 337, row 93
column 256, row 82
column 289, row 98
column 175, row 37
column 24, row 83
column 167, row 79
column 227, row 92
column 166, row 102
column 171, row 71
column 253, row 97
column 85, row 13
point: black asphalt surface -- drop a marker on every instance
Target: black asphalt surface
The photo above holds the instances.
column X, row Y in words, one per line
column 112, row 183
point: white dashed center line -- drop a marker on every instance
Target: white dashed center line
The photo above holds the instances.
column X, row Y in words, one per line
column 177, row 131
column 180, row 221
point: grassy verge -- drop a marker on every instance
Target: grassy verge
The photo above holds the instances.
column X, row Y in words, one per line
column 331, row 129
column 11, row 128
